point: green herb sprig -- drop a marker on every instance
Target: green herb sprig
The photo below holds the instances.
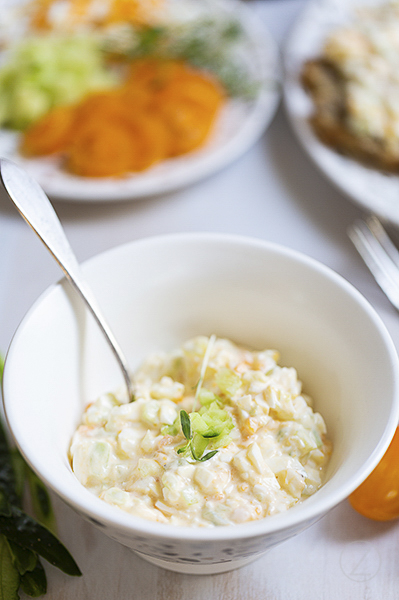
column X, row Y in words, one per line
column 23, row 539
column 186, row 429
column 206, row 43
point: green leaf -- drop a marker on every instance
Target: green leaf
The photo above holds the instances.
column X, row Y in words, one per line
column 232, row 31
column 9, row 576
column 182, row 449
column 19, row 469
column 228, row 381
column 23, row 558
column 7, row 477
column 34, row 583
column 171, row 429
column 41, row 501
column 5, row 508
column 212, row 422
column 198, row 446
column 193, row 454
column 25, row 531
column 149, row 39
column 208, row 456
column 185, row 424
column 198, row 424
column 207, row 397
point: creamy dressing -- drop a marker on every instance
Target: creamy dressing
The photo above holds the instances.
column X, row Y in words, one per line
column 268, row 447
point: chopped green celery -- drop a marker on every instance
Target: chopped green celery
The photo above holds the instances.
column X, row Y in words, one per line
column 28, row 104
column 298, row 438
column 211, row 421
column 317, row 438
column 99, row 458
column 213, row 414
column 217, row 516
column 198, row 424
column 308, row 440
column 199, row 445
column 177, row 370
column 206, row 397
column 212, row 425
column 172, row 429
column 149, row 412
column 44, row 72
column 221, row 441
column 228, row 381
column 189, row 496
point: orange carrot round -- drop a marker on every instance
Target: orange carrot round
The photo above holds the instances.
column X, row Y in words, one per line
column 51, row 134
column 163, row 109
column 100, row 151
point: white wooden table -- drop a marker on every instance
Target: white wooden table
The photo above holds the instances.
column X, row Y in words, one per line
column 274, row 193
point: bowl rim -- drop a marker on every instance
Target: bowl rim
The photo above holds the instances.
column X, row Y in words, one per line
column 312, row 509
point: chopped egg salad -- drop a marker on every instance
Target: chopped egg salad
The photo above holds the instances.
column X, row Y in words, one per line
column 216, row 435
column 366, row 53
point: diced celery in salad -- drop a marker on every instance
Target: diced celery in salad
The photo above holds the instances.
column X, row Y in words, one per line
column 217, row 435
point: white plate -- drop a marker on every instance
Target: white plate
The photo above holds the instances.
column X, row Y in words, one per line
column 373, row 190
column 238, row 128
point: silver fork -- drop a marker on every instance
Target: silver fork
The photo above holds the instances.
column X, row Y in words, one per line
column 379, row 254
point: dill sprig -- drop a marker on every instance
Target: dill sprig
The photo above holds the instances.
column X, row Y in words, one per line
column 206, row 43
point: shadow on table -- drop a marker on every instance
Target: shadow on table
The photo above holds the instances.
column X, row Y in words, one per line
column 344, row 524
column 83, row 210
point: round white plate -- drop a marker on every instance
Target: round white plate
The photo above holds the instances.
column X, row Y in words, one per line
column 238, row 128
column 373, row 190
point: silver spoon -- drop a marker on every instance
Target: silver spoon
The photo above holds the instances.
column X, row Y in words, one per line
column 36, row 209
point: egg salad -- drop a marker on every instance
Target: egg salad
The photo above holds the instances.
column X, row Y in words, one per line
column 216, row 435
column 366, row 53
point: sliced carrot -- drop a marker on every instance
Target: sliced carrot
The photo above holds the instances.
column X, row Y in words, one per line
column 154, row 136
column 50, row 134
column 102, row 150
column 186, row 100
column 100, row 105
column 122, row 143
column 164, row 109
column 154, row 74
column 78, row 10
column 135, row 11
column 195, row 88
column 188, row 126
column 39, row 14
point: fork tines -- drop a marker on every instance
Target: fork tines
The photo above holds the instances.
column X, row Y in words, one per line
column 379, row 254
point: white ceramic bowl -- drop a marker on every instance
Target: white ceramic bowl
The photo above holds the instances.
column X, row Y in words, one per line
column 158, row 292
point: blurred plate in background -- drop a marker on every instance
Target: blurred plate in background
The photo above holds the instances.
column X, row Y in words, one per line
column 240, row 125
column 373, row 190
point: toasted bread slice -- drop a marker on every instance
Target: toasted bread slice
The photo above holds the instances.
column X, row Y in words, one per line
column 327, row 87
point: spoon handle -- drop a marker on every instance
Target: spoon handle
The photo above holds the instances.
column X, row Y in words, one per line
column 38, row 212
